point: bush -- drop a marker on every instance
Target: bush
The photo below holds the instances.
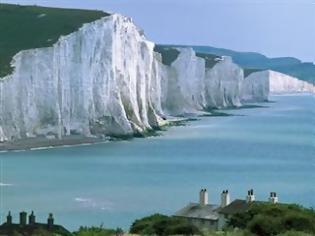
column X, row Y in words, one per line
column 265, row 226
column 265, row 219
column 163, row 225
column 299, row 222
column 295, row 233
column 95, row 231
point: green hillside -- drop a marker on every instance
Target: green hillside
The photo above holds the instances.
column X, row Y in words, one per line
column 252, row 61
column 210, row 59
column 169, row 54
column 248, row 71
column 27, row 27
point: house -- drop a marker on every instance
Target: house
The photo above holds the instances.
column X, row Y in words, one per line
column 204, row 215
column 32, row 227
column 214, row 217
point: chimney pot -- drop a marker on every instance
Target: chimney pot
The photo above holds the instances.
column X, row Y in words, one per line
column 225, row 198
column 203, row 197
column 273, row 198
column 31, row 218
column 250, row 197
column 23, row 216
column 9, row 218
column 50, row 221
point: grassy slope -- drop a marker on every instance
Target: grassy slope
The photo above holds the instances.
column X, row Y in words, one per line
column 248, row 71
column 210, row 59
column 252, row 61
column 169, row 54
column 27, row 27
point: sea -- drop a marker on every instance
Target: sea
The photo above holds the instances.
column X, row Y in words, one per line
column 269, row 149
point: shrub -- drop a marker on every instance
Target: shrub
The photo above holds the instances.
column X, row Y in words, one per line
column 265, row 226
column 295, row 233
column 163, row 225
column 95, row 231
column 299, row 222
column 265, row 219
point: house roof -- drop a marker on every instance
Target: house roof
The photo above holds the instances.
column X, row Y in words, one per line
column 196, row 210
column 237, row 206
column 6, row 229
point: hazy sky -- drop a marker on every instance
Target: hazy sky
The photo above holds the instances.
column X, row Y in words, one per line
column 272, row 27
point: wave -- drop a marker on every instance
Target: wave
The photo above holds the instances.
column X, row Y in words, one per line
column 78, row 199
column 5, row 185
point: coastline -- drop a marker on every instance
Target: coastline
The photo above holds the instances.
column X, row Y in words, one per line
column 42, row 143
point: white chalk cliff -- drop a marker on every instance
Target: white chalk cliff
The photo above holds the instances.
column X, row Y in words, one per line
column 259, row 85
column 106, row 79
column 223, row 84
column 101, row 79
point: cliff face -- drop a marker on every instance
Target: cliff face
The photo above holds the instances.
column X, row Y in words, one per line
column 258, row 85
column 223, row 84
column 106, row 79
column 281, row 83
column 183, row 81
column 101, row 79
column 191, row 87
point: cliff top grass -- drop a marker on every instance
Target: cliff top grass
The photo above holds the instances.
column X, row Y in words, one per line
column 27, row 27
column 211, row 60
column 169, row 54
column 248, row 71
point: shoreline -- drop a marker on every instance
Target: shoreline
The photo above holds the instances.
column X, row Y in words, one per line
column 41, row 143
column 33, row 144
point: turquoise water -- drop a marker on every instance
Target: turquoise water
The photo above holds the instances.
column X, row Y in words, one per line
column 268, row 149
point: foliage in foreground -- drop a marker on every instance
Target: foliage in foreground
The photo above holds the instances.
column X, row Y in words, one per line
column 163, row 225
column 246, row 233
column 265, row 219
column 97, row 231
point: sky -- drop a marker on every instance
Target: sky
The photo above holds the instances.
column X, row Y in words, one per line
column 272, row 27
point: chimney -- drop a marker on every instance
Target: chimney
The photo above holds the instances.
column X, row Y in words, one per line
column 250, row 196
column 50, row 221
column 273, row 198
column 31, row 219
column 23, row 216
column 225, row 198
column 9, row 218
column 203, row 195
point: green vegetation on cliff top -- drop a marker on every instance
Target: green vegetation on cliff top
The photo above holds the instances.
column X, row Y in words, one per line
column 27, row 27
column 169, row 54
column 210, row 59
